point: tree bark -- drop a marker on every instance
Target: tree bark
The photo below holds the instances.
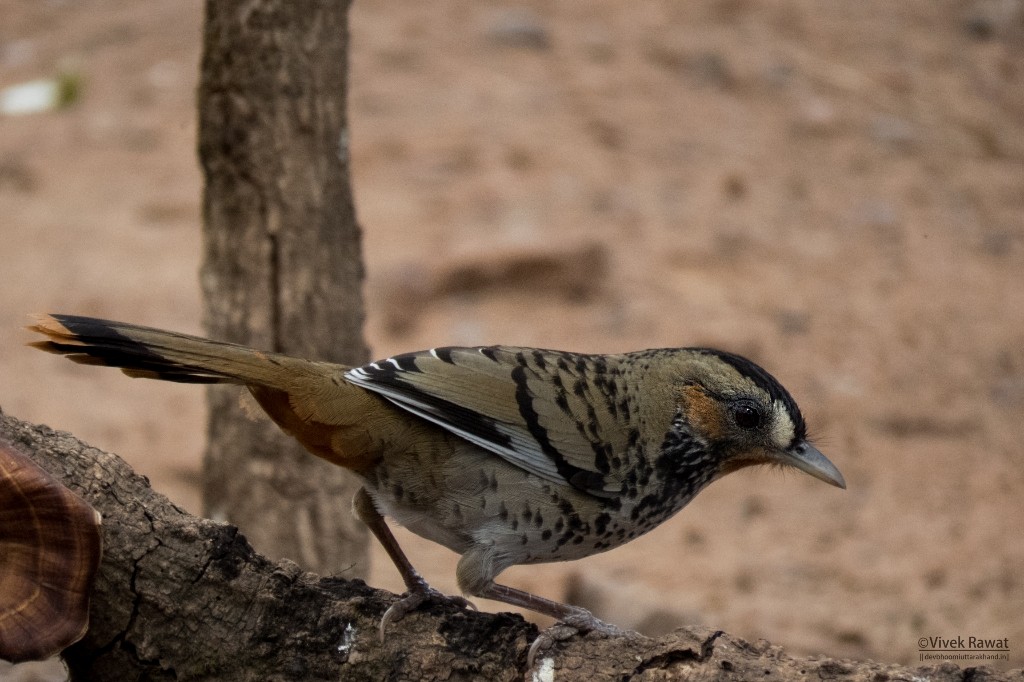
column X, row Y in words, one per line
column 283, row 267
column 183, row 598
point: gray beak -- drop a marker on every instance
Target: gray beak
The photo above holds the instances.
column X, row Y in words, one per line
column 809, row 460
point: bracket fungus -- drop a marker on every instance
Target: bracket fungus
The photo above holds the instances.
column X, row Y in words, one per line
column 49, row 555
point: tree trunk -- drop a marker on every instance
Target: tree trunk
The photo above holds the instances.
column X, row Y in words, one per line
column 283, row 267
column 182, row 598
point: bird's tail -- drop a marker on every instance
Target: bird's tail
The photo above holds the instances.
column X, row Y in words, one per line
column 309, row 400
column 158, row 354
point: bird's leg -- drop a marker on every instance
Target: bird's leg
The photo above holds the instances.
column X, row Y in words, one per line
column 566, row 613
column 476, row 572
column 418, row 589
column 367, row 512
column 572, row 620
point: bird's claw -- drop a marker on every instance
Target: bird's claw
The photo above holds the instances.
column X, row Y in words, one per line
column 414, row 599
column 580, row 621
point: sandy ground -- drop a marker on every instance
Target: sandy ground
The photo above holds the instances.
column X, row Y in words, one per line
column 835, row 189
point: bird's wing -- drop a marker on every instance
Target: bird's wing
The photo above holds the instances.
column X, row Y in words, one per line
column 561, row 416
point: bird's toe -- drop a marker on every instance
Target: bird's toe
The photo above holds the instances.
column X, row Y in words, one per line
column 577, row 622
column 416, row 598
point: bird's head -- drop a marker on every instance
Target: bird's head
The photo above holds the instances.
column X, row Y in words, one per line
column 747, row 417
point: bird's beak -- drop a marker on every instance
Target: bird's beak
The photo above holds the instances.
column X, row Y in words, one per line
column 809, row 460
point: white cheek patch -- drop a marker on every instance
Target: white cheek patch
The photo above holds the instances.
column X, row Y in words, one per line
column 783, row 431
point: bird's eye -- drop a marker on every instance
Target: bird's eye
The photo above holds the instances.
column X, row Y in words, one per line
column 746, row 415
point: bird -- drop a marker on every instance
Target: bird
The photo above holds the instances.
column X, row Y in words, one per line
column 506, row 455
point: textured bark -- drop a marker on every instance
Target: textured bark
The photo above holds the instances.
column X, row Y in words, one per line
column 283, row 268
column 178, row 597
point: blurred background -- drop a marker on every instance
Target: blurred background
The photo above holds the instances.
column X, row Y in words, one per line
column 833, row 189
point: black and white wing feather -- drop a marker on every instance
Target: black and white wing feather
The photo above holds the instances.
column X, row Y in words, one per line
column 561, row 416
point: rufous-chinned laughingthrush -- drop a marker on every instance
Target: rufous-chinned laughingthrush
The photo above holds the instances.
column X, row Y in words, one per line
column 504, row 455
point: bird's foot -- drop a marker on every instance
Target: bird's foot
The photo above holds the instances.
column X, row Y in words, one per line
column 578, row 622
column 419, row 594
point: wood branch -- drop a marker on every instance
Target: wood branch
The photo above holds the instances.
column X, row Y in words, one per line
column 179, row 597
